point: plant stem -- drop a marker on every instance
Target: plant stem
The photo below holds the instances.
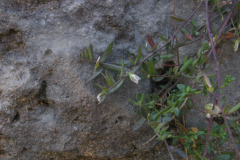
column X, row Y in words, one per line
column 216, row 101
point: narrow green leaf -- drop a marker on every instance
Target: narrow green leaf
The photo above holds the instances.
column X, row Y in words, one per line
column 113, row 67
column 159, row 114
column 139, row 124
column 114, row 88
column 100, row 86
column 108, row 74
column 154, row 124
column 108, row 79
column 167, row 56
column 122, row 68
column 176, row 111
column 131, row 61
column 163, row 38
column 135, row 68
column 194, row 23
column 186, row 65
column 184, row 31
column 107, row 52
column 90, row 55
column 133, row 102
column 139, row 52
column 138, row 96
column 226, row 109
column 151, row 68
column 235, row 108
column 95, row 75
column 91, row 49
column 177, row 19
column 160, row 126
column 205, row 46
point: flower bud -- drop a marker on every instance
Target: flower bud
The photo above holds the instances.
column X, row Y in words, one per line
column 208, row 84
column 97, row 63
column 134, row 78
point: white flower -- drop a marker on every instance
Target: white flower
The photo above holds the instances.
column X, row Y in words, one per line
column 134, row 78
column 99, row 97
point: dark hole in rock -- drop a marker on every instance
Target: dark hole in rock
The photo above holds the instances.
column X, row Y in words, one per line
column 48, row 51
column 16, row 117
column 30, row 109
column 42, row 96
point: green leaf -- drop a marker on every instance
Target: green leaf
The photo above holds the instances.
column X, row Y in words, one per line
column 159, row 114
column 235, row 108
column 108, row 79
column 151, row 68
column 186, row 65
column 236, row 44
column 176, row 111
column 100, row 86
column 139, row 124
column 166, row 119
column 226, row 109
column 114, row 88
column 133, row 102
column 142, row 98
column 122, row 68
column 154, row 124
column 184, row 31
column 138, row 96
column 95, row 75
column 135, row 68
column 108, row 74
column 90, row 55
column 194, row 23
column 160, row 126
column 167, row 56
column 144, row 114
column 163, row 38
column 131, row 61
column 107, row 52
column 113, row 67
column 157, row 79
column 139, row 52
column 181, row 87
column 177, row 19
column 205, row 46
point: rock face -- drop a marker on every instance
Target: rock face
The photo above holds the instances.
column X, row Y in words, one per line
column 48, row 111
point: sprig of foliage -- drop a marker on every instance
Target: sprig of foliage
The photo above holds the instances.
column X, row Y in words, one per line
column 160, row 110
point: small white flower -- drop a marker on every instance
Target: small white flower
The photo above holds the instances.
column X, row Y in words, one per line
column 99, row 97
column 134, row 78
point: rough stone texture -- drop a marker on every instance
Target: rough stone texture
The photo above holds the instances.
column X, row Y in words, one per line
column 47, row 110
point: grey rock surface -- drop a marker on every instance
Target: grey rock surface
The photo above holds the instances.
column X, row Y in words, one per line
column 47, row 109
